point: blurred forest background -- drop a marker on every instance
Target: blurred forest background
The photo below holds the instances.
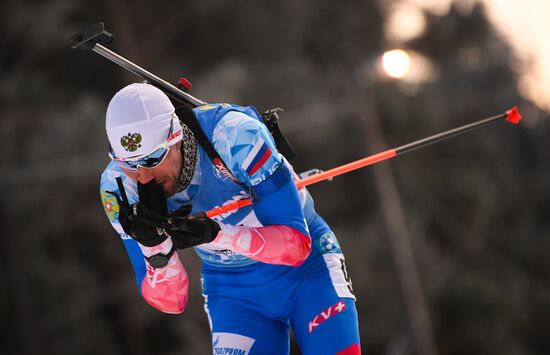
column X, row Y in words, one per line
column 474, row 211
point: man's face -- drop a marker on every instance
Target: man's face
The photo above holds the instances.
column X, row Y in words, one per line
column 166, row 173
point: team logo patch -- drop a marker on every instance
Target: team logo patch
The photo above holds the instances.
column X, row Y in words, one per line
column 110, row 205
column 326, row 314
column 131, row 142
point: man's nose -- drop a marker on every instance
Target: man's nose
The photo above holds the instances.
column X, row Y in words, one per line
column 144, row 175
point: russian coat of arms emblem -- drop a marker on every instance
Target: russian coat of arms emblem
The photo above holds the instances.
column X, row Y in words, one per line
column 131, row 142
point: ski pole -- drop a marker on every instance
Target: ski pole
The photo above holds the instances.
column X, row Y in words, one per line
column 513, row 116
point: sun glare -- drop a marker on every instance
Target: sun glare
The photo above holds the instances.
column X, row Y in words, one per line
column 396, row 63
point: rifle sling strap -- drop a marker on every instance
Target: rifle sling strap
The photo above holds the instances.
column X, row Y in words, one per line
column 187, row 116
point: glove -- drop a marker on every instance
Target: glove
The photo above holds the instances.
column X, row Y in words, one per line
column 189, row 231
column 145, row 219
column 148, row 222
column 149, row 214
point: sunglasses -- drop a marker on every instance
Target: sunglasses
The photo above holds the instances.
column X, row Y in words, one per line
column 147, row 161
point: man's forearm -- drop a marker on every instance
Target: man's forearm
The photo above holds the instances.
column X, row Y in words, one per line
column 165, row 288
column 274, row 244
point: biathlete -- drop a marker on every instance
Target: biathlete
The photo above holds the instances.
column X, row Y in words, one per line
column 265, row 268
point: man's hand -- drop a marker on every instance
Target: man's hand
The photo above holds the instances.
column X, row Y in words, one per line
column 188, row 231
column 149, row 214
column 144, row 220
column 148, row 221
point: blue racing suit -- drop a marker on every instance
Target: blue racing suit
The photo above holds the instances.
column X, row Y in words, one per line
column 252, row 299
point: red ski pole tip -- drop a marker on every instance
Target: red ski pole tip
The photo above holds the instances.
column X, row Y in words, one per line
column 513, row 115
